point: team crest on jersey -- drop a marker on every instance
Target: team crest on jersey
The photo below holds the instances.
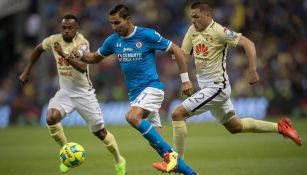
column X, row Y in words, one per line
column 229, row 33
column 201, row 49
column 139, row 44
column 119, row 57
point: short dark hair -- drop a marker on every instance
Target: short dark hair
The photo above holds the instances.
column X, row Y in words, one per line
column 71, row 16
column 121, row 9
column 202, row 5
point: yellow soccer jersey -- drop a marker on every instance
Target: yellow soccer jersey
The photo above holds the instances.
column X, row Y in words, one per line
column 70, row 79
column 209, row 49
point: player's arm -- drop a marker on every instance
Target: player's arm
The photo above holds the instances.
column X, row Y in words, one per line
column 78, row 65
column 38, row 50
column 250, row 51
column 180, row 60
column 91, row 57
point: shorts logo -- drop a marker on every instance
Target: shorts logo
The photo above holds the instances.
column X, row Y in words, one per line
column 119, row 57
column 138, row 44
column 229, row 33
column 201, row 49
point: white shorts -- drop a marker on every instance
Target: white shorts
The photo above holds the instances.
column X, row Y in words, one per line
column 150, row 99
column 87, row 106
column 216, row 100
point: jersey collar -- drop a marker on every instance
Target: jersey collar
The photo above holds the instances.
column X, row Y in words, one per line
column 209, row 26
column 131, row 34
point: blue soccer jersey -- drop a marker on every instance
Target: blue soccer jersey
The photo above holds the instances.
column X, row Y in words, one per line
column 136, row 55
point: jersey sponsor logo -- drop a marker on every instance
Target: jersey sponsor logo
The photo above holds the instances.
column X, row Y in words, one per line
column 63, row 62
column 127, row 57
column 138, row 44
column 229, row 33
column 127, row 49
column 201, row 49
column 119, row 57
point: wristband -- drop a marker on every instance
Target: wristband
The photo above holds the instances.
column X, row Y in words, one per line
column 184, row 77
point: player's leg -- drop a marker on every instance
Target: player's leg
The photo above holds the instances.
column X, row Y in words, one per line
column 225, row 113
column 147, row 102
column 199, row 102
column 250, row 125
column 180, row 130
column 136, row 118
column 54, row 126
column 88, row 107
column 154, row 119
column 111, row 145
column 58, row 106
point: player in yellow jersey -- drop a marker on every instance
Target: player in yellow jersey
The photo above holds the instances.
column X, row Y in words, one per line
column 76, row 91
column 207, row 41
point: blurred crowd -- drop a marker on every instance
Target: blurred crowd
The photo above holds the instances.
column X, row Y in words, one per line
column 278, row 28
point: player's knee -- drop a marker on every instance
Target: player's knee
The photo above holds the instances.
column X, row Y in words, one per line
column 101, row 134
column 53, row 117
column 179, row 114
column 133, row 119
column 234, row 130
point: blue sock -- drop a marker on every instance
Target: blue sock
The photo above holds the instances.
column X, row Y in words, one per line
column 151, row 134
column 182, row 167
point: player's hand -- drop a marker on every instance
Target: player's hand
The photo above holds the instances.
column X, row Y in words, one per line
column 253, row 77
column 23, row 78
column 57, row 47
column 76, row 54
column 187, row 88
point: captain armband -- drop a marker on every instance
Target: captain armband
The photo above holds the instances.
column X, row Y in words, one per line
column 184, row 77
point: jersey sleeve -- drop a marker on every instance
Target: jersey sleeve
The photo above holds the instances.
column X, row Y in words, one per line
column 84, row 46
column 107, row 47
column 187, row 45
column 48, row 42
column 228, row 36
column 156, row 41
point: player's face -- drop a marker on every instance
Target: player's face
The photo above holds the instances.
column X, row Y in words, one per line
column 69, row 28
column 120, row 25
column 201, row 19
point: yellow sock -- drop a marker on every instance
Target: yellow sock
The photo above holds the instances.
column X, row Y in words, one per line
column 179, row 134
column 111, row 145
column 258, row 126
column 57, row 133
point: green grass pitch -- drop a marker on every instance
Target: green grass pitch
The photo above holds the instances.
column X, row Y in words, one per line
column 210, row 150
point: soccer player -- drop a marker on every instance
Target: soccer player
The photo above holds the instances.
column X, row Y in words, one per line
column 135, row 49
column 208, row 41
column 76, row 91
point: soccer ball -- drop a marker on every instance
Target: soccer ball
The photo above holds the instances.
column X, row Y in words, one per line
column 72, row 154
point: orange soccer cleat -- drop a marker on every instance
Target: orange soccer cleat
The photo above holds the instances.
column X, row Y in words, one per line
column 170, row 162
column 285, row 128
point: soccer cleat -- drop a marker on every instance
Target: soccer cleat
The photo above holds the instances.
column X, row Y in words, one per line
column 121, row 168
column 285, row 128
column 63, row 168
column 170, row 162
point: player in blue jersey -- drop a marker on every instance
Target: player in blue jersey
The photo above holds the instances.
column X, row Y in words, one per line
column 135, row 50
